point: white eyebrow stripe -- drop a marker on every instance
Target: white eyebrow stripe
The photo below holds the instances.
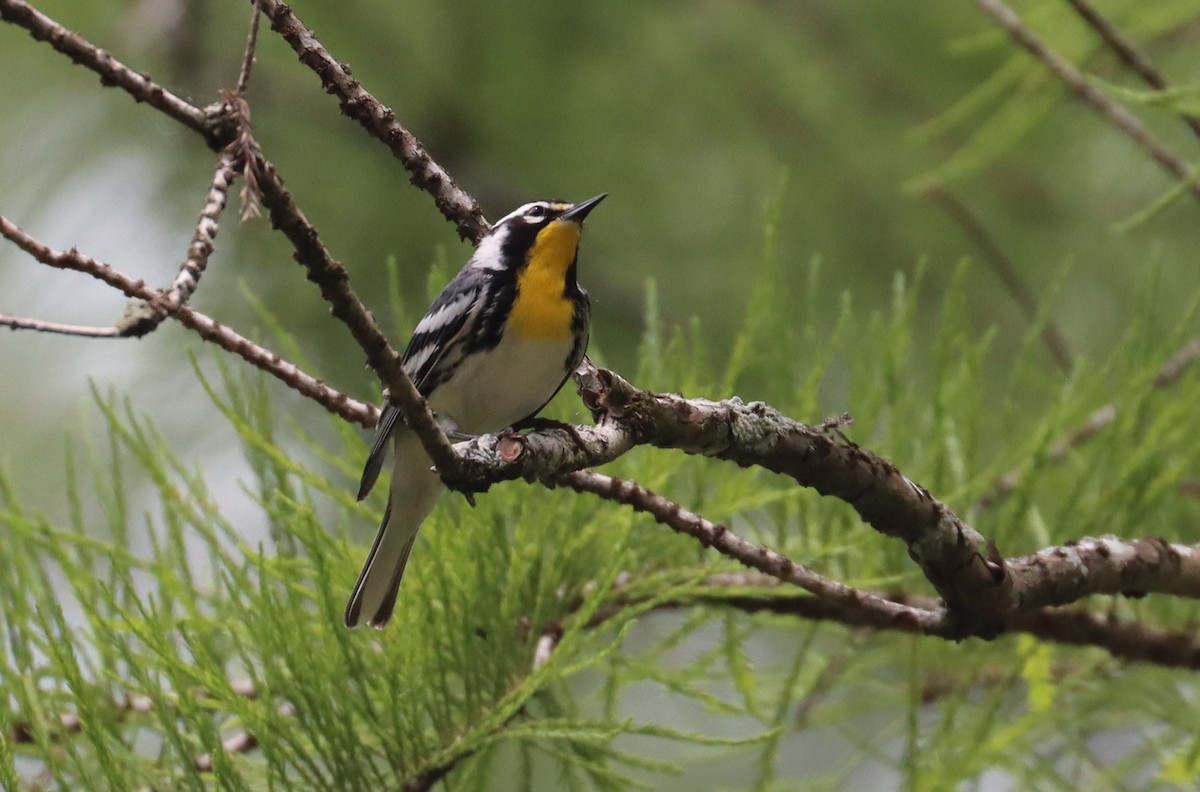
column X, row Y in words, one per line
column 446, row 314
column 520, row 210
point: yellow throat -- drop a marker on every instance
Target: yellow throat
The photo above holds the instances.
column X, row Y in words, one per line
column 541, row 310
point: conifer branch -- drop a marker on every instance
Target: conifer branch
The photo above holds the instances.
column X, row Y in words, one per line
column 1128, row 53
column 1097, row 420
column 1124, row 121
column 980, row 589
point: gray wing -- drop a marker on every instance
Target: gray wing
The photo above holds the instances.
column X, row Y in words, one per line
column 442, row 327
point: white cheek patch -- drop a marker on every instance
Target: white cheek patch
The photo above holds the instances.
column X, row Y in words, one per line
column 488, row 254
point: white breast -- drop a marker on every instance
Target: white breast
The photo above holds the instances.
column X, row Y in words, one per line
column 494, row 389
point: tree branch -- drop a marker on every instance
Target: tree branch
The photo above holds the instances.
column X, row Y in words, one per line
column 1092, row 96
column 222, row 125
column 954, row 557
column 981, row 590
column 330, row 277
column 1128, row 53
column 875, row 610
column 39, row 325
column 208, row 121
column 1020, row 291
column 454, row 203
column 208, row 328
column 1131, row 641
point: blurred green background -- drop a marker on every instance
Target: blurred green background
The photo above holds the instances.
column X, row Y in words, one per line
column 691, row 115
column 700, row 119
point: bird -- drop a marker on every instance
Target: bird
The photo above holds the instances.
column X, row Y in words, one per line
column 492, row 350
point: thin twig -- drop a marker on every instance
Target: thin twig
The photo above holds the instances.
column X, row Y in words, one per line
column 1178, row 363
column 1092, row 96
column 454, row 203
column 876, row 610
column 1099, row 418
column 1020, row 291
column 1128, row 53
column 330, row 277
column 1132, row 641
column 248, row 54
column 143, row 317
column 208, row 329
column 41, row 326
column 207, row 121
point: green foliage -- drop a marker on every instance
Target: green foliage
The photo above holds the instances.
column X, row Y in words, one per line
column 141, row 606
column 142, row 615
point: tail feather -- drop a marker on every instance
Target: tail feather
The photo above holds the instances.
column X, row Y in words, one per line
column 414, row 491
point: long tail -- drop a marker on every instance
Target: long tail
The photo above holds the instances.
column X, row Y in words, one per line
column 414, row 491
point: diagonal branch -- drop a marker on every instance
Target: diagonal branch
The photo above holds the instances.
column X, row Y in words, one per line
column 1020, row 291
column 1135, row 60
column 248, row 54
column 330, row 276
column 225, row 123
column 206, row 327
column 876, row 610
column 208, row 121
column 1092, row 96
column 454, row 203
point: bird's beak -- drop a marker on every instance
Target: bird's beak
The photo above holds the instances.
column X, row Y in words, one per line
column 580, row 210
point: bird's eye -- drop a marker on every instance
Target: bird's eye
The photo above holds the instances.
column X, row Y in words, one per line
column 535, row 212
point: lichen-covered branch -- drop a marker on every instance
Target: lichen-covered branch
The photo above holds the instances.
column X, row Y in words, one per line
column 1107, row 565
column 955, row 558
column 981, row 590
column 143, row 317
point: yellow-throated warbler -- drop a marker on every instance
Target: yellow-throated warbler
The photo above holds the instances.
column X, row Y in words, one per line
column 492, row 350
